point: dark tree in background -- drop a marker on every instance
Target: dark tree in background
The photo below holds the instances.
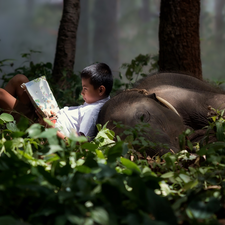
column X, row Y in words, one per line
column 105, row 37
column 179, row 41
column 66, row 41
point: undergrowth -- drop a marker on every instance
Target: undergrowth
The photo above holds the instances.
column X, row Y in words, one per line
column 44, row 180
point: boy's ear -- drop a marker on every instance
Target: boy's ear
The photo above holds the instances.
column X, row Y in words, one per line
column 101, row 90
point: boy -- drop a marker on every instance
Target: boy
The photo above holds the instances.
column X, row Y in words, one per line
column 97, row 82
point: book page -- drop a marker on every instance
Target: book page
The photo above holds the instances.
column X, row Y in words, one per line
column 41, row 95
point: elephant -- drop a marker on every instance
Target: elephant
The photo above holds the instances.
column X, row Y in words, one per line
column 169, row 102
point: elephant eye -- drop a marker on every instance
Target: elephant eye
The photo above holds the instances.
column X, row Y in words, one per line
column 143, row 116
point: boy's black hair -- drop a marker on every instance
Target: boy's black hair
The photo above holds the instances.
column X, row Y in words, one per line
column 99, row 74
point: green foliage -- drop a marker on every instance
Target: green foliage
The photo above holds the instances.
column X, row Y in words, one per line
column 136, row 139
column 65, row 96
column 135, row 70
column 5, row 62
column 71, row 96
column 46, row 181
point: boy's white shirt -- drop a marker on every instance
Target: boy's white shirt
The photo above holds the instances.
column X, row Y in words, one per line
column 81, row 119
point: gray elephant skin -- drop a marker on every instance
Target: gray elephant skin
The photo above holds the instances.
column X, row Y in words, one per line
column 189, row 98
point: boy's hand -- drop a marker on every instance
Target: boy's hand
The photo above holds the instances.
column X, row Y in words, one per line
column 49, row 113
column 42, row 121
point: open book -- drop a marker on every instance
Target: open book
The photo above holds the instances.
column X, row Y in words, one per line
column 41, row 95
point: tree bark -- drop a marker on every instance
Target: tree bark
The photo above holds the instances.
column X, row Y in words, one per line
column 179, row 42
column 66, row 41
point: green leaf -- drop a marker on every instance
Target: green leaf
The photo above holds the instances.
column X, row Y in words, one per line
column 90, row 160
column 220, row 130
column 100, row 216
column 100, row 154
column 52, row 180
column 1, row 122
column 34, row 130
column 200, row 209
column 83, row 169
column 75, row 220
column 28, row 149
column 185, row 177
column 179, row 202
column 48, row 65
column 54, row 148
column 130, row 165
column 160, row 208
column 204, row 170
column 7, row 220
column 106, row 171
column 165, row 188
column 12, row 127
column 48, row 133
column 105, row 132
column 17, row 142
column 89, row 146
column 79, row 139
column 17, row 134
column 51, row 158
column 190, row 185
column 23, row 124
column 114, row 152
column 61, row 220
column 25, row 155
column 127, row 171
column 6, row 117
column 168, row 175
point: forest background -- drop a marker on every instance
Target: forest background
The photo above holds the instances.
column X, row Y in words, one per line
column 33, row 25
column 63, row 184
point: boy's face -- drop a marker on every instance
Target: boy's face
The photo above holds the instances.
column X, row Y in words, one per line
column 90, row 94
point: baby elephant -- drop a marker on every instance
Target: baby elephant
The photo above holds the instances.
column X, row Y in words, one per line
column 169, row 102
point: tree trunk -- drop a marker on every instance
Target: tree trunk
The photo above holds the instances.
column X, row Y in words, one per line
column 66, row 41
column 179, row 42
column 105, row 40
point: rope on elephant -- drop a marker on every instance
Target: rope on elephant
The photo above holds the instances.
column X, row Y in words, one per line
column 163, row 101
column 141, row 91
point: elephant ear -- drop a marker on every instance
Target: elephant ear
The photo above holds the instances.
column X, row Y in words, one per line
column 163, row 101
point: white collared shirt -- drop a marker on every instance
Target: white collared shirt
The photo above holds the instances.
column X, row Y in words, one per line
column 81, row 119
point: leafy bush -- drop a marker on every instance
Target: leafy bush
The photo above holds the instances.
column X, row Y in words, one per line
column 64, row 96
column 138, row 68
column 79, row 183
column 46, row 181
column 71, row 96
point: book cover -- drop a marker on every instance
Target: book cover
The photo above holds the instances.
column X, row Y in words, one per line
column 41, row 95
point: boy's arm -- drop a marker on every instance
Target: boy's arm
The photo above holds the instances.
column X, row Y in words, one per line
column 60, row 135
